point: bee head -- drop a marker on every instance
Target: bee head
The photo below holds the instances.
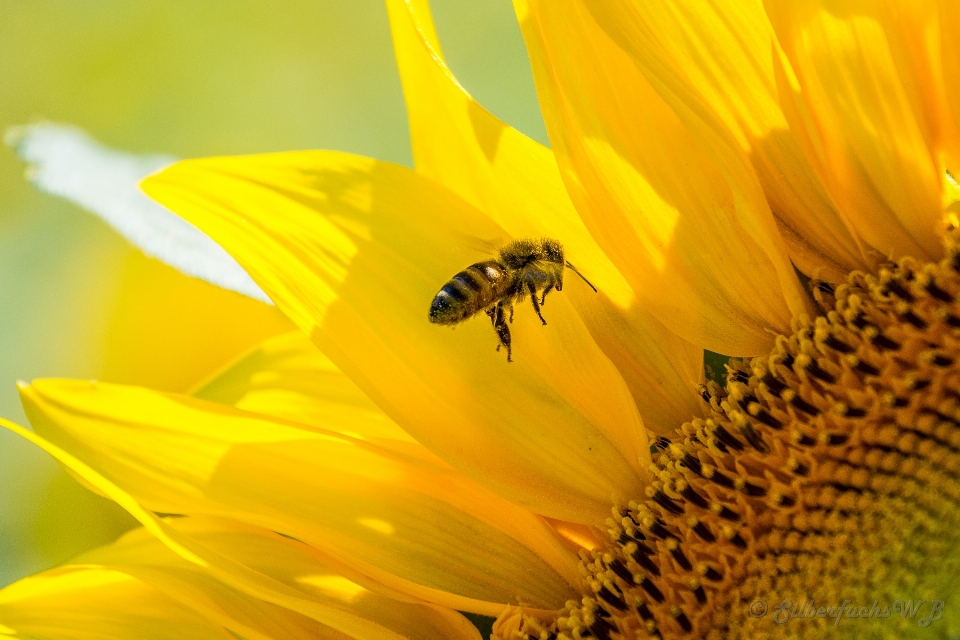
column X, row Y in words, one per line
column 552, row 251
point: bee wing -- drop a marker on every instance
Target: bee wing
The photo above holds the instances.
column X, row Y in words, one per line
column 477, row 248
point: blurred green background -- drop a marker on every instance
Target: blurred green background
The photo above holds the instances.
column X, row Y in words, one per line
column 189, row 78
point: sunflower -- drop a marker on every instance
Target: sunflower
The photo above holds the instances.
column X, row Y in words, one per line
column 764, row 180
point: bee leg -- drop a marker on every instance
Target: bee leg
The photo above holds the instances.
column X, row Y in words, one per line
column 545, row 292
column 503, row 330
column 492, row 312
column 511, row 314
column 536, row 303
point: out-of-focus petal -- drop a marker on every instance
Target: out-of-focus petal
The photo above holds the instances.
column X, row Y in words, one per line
column 399, row 519
column 168, row 332
column 94, row 603
column 717, row 57
column 353, row 250
column 666, row 191
column 140, row 554
column 864, row 100
column 287, row 377
column 68, row 163
column 515, row 180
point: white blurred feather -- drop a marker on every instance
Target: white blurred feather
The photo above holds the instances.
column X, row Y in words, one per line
column 68, row 163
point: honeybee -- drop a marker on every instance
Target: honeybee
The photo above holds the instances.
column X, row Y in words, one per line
column 529, row 266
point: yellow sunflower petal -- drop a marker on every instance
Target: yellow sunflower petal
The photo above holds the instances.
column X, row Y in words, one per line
column 950, row 57
column 717, row 57
column 167, row 331
column 353, row 250
column 225, row 569
column 668, row 194
column 863, row 103
column 401, row 520
column 515, row 180
column 915, row 29
column 92, row 603
column 140, row 554
column 287, row 377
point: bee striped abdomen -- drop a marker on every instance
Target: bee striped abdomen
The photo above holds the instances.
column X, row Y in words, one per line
column 527, row 267
column 469, row 292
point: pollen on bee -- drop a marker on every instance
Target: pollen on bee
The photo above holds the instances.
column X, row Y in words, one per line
column 529, row 267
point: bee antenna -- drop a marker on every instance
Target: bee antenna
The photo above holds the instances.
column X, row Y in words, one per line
column 574, row 269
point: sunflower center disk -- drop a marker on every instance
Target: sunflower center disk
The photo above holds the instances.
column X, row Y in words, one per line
column 819, row 499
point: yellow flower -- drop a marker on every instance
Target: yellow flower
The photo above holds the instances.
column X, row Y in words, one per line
column 703, row 155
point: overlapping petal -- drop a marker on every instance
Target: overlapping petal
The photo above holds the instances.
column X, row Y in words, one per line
column 140, row 554
column 393, row 517
column 515, row 180
column 867, row 99
column 90, row 596
column 229, row 571
column 666, row 191
column 287, row 377
column 717, row 57
column 92, row 603
column 353, row 250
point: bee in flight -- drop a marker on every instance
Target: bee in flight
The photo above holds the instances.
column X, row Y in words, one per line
column 528, row 266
